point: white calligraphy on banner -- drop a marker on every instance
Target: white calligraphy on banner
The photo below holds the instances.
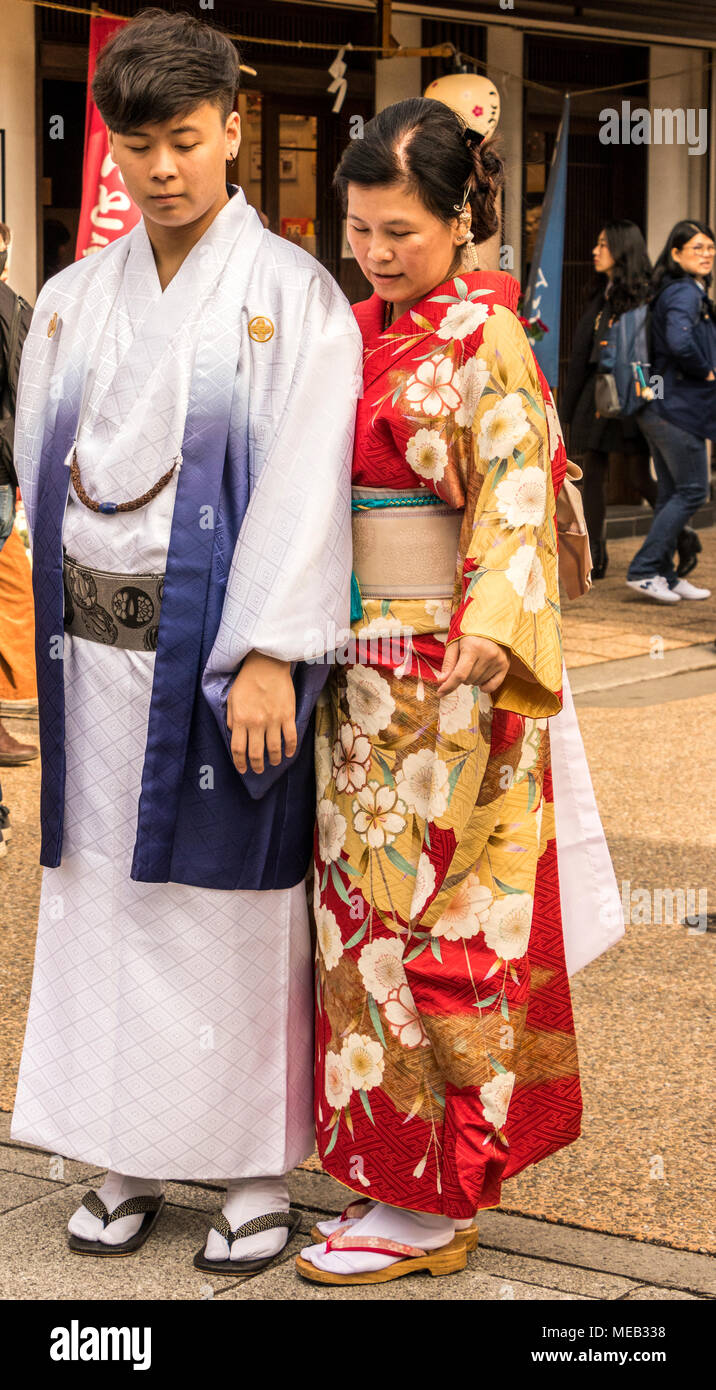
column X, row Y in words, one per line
column 109, row 201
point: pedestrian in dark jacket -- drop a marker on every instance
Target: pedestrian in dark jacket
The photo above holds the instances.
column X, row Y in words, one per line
column 623, row 274
column 679, row 421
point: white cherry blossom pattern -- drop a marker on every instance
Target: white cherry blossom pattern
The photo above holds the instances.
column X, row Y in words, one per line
column 323, row 764
column 422, row 782
column 554, row 428
column 404, row 1020
column 378, row 815
column 471, row 380
column 370, row 702
column 427, row 454
column 466, row 913
column 331, row 830
column 503, row 427
column 495, row 1098
column 456, row 710
column 440, row 610
column 351, row 758
column 462, row 319
column 519, row 566
column 431, row 388
column 526, row 575
column 329, row 936
column 521, row 497
column 424, row 885
column 338, row 1087
column 535, row 595
column 381, row 966
column 385, row 627
column 363, row 1061
column 507, row 930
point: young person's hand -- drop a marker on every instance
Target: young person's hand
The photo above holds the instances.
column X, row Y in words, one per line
column 473, row 661
column 261, row 707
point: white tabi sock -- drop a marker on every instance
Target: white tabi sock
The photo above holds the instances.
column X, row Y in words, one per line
column 423, row 1229
column 328, row 1227
column 247, row 1198
column 116, row 1188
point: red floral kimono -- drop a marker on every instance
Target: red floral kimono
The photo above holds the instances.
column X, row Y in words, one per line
column 445, row 1050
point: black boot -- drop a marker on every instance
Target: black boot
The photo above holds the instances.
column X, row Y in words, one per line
column 688, row 546
column 600, row 559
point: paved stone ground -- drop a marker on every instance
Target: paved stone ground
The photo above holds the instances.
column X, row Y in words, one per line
column 518, row 1258
column 623, row 1214
column 613, row 622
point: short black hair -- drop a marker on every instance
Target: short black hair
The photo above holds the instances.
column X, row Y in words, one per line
column 161, row 65
column 421, row 143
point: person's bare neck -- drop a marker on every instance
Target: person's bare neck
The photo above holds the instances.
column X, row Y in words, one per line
column 171, row 245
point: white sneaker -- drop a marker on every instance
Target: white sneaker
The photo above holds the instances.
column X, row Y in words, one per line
column 656, row 588
column 686, row 590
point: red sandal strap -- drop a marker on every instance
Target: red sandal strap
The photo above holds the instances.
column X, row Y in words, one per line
column 372, row 1245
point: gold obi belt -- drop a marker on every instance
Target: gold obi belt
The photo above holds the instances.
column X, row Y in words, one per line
column 405, row 544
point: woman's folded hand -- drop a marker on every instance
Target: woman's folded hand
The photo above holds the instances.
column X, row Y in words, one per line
column 473, row 661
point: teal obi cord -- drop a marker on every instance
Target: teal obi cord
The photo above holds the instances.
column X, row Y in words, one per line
column 360, row 504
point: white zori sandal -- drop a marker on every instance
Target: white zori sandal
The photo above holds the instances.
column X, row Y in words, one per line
column 360, row 1207
column 447, row 1259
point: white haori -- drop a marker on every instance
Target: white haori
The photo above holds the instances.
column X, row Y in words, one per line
column 170, row 1028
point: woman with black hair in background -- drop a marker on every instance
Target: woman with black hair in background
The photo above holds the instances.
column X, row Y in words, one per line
column 623, row 274
column 681, row 419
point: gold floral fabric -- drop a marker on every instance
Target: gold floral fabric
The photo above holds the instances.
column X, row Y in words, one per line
column 435, row 890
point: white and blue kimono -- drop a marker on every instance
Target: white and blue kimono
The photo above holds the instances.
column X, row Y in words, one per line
column 170, row 1023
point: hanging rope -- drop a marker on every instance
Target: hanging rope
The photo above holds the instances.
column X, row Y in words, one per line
column 443, row 50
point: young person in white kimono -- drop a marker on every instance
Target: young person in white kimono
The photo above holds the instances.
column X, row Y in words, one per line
column 183, row 446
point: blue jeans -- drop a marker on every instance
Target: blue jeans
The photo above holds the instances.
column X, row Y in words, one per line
column 7, row 511
column 683, row 485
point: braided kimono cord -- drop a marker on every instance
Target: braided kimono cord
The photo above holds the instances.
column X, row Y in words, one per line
column 428, row 499
column 111, row 507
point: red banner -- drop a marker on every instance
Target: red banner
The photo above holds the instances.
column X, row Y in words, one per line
column 107, row 209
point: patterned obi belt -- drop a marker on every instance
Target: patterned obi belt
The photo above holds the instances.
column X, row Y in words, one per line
column 119, row 610
column 405, row 544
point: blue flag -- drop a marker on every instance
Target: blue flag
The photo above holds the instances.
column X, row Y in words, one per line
column 543, row 296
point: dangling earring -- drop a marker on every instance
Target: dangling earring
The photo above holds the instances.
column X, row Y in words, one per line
column 470, row 260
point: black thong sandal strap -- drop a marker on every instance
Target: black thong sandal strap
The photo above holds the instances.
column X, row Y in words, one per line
column 134, row 1206
column 94, row 1204
column 270, row 1222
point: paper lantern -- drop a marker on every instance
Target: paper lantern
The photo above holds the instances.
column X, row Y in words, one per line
column 474, row 98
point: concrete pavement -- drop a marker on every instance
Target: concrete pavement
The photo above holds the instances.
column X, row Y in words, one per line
column 518, row 1258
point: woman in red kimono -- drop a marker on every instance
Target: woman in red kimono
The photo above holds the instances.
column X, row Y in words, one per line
column 445, row 1052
